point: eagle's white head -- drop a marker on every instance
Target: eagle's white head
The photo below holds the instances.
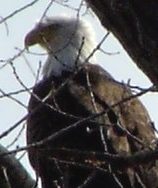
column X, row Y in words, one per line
column 69, row 42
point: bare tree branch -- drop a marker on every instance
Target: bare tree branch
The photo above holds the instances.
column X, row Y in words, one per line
column 135, row 25
column 17, row 175
column 18, row 10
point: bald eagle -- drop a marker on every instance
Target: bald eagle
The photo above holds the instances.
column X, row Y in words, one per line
column 74, row 89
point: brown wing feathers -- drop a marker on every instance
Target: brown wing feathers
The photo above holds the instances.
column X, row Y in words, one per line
column 74, row 98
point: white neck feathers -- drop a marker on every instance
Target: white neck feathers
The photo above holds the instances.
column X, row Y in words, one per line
column 72, row 44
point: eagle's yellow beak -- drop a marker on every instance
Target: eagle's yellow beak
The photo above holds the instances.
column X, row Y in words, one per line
column 41, row 35
column 31, row 39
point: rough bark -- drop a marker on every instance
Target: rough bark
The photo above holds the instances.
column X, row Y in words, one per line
column 135, row 24
column 12, row 173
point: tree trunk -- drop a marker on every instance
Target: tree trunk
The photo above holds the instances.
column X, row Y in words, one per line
column 12, row 173
column 135, row 24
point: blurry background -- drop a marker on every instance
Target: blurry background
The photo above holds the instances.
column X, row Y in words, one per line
column 19, row 71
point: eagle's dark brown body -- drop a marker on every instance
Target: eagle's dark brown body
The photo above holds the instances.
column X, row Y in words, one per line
column 88, row 92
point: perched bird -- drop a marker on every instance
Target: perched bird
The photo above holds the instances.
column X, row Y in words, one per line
column 72, row 114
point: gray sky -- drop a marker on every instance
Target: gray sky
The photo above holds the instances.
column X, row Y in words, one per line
column 12, row 33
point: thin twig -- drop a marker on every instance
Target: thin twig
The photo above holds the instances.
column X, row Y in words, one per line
column 18, row 10
column 4, row 94
column 13, row 99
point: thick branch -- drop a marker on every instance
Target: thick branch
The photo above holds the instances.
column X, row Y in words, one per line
column 16, row 174
column 135, row 24
column 103, row 159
